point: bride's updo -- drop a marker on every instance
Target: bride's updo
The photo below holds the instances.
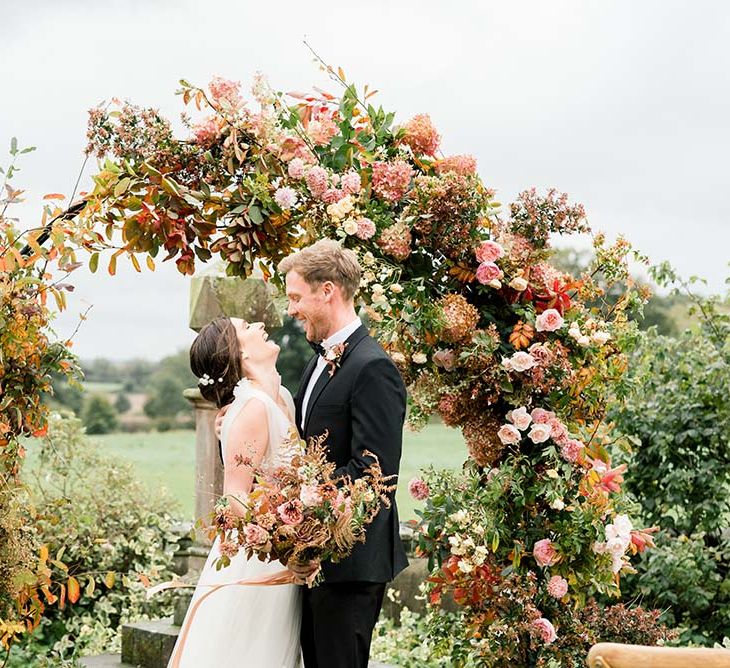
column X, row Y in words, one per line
column 215, row 358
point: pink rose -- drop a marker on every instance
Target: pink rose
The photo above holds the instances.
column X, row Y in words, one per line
column 365, row 228
column 291, row 512
column 296, row 168
column 489, row 251
column 549, row 321
column 488, row 272
column 541, row 415
column 571, row 450
column 418, row 489
column 255, row 536
column 545, row 630
column 558, row 431
column 539, row 432
column 520, row 418
column 509, row 434
column 557, row 587
column 544, row 553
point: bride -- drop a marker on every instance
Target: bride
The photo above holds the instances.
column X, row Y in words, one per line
column 242, row 625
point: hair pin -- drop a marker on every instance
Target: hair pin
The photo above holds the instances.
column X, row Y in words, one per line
column 207, row 380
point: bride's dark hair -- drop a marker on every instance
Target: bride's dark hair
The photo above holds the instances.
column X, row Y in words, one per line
column 215, row 354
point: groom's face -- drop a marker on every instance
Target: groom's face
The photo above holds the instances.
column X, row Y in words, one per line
column 309, row 305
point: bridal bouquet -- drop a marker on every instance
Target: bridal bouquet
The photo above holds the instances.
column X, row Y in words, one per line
column 299, row 511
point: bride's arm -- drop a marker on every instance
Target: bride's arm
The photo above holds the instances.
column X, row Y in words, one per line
column 246, row 444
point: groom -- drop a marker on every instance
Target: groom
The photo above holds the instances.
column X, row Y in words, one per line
column 358, row 397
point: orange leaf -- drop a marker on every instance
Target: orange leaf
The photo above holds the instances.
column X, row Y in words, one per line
column 150, row 263
column 62, row 597
column 54, row 196
column 144, row 580
column 74, row 591
column 341, row 74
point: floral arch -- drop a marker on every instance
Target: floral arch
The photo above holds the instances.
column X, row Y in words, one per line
column 520, row 356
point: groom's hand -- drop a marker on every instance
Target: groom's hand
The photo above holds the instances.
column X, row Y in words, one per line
column 304, row 572
column 219, row 420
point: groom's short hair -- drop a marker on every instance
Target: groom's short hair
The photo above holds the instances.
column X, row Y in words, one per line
column 326, row 260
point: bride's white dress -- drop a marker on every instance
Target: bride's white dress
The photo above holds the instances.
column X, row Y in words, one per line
column 245, row 626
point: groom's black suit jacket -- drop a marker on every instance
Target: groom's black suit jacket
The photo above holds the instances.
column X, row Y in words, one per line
column 362, row 407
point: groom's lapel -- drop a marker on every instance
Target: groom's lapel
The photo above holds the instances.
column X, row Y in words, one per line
column 353, row 340
column 306, row 375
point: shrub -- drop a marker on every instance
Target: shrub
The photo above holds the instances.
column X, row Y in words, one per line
column 679, row 415
column 107, row 529
column 99, row 415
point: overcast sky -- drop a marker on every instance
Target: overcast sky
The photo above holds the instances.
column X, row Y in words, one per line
column 623, row 104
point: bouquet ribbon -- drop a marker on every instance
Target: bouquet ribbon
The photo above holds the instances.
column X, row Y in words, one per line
column 279, row 578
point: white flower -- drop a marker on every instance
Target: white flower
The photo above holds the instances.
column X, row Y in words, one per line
column 521, row 361
column 465, row 566
column 584, row 340
column 558, row 504
column 350, row 226
column 419, row 358
column 520, row 418
column 377, row 288
column 460, row 517
column 539, row 433
column 398, row 358
column 480, row 554
column 339, row 210
column 574, row 331
column 397, row 288
column 368, row 259
column 495, row 283
column 518, row 283
column 621, row 526
column 552, row 473
column 601, row 338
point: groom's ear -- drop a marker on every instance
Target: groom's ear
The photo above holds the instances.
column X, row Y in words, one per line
column 328, row 290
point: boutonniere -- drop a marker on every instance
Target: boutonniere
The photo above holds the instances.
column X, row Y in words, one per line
column 333, row 357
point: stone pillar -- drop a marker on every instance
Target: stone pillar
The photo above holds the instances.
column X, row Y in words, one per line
column 208, row 468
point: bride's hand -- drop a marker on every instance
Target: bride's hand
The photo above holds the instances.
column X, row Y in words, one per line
column 219, row 420
column 304, row 573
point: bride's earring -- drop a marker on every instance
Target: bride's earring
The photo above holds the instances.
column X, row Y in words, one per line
column 244, row 355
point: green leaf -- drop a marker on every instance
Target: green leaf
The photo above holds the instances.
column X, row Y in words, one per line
column 254, row 213
column 13, row 146
column 94, row 263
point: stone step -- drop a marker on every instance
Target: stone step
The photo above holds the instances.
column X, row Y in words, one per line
column 104, row 661
column 115, row 661
column 149, row 644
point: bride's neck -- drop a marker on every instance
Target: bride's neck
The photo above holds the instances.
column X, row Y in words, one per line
column 266, row 379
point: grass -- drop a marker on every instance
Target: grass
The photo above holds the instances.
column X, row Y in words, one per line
column 167, row 459
column 93, row 387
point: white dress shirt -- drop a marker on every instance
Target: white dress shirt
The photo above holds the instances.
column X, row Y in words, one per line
column 338, row 337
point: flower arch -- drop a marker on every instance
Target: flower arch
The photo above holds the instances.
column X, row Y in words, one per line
column 519, row 355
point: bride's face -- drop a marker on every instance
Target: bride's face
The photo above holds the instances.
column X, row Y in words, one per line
column 253, row 342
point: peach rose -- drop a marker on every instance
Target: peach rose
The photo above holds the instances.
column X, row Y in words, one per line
column 509, row 434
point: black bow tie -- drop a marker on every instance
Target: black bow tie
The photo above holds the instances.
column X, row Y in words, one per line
column 318, row 348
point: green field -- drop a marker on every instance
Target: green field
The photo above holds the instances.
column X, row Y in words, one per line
column 168, row 460
column 92, row 387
